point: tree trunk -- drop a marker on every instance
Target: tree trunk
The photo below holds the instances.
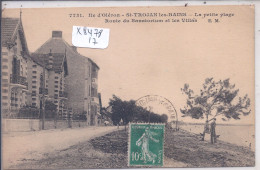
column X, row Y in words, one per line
column 205, row 128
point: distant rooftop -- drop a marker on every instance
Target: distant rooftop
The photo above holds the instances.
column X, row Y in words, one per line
column 58, row 45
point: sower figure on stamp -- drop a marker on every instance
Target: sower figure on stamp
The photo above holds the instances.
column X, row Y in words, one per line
column 213, row 136
column 144, row 141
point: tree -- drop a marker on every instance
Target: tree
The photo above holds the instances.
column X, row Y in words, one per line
column 121, row 110
column 164, row 118
column 50, row 109
column 215, row 98
column 129, row 111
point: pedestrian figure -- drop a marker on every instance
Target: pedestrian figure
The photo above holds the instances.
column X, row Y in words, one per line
column 206, row 130
column 213, row 131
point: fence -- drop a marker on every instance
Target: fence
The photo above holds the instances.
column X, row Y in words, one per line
column 63, row 124
column 23, row 125
column 30, row 119
column 20, row 125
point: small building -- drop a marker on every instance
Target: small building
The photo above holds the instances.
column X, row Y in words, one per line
column 15, row 56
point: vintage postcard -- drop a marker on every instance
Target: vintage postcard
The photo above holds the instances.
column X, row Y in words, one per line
column 128, row 87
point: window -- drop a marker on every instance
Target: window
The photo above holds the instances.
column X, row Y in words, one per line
column 4, row 80
column 56, row 81
column 34, row 87
column 56, row 77
column 34, row 66
column 33, row 98
column 34, row 77
column 34, row 72
column 5, row 97
column 34, row 104
column 4, row 60
column 21, row 70
column 33, row 81
column 94, row 92
column 56, row 90
column 4, row 73
column 56, row 86
column 33, row 94
column 4, row 67
column 5, row 91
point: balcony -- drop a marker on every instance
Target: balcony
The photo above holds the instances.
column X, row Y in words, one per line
column 63, row 94
column 18, row 80
column 43, row 90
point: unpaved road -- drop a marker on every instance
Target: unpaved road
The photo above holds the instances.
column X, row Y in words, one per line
column 29, row 145
column 107, row 151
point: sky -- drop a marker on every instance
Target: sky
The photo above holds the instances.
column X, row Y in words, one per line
column 158, row 59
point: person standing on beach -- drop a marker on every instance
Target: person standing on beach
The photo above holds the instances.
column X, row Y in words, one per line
column 206, row 130
column 213, row 131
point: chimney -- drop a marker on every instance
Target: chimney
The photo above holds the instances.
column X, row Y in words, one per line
column 50, row 61
column 56, row 34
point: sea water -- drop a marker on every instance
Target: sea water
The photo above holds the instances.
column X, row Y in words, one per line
column 243, row 135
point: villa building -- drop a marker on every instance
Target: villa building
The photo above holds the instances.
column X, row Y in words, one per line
column 82, row 80
column 15, row 56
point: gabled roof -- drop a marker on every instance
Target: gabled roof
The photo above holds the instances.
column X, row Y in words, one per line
column 59, row 61
column 59, row 45
column 10, row 28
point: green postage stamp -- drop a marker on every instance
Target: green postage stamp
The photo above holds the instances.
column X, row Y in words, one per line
column 145, row 146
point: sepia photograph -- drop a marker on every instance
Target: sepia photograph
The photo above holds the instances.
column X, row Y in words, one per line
column 128, row 87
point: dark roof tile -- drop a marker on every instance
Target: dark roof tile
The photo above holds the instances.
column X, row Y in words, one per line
column 9, row 25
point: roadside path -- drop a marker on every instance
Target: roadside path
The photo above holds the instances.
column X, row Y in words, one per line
column 30, row 145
